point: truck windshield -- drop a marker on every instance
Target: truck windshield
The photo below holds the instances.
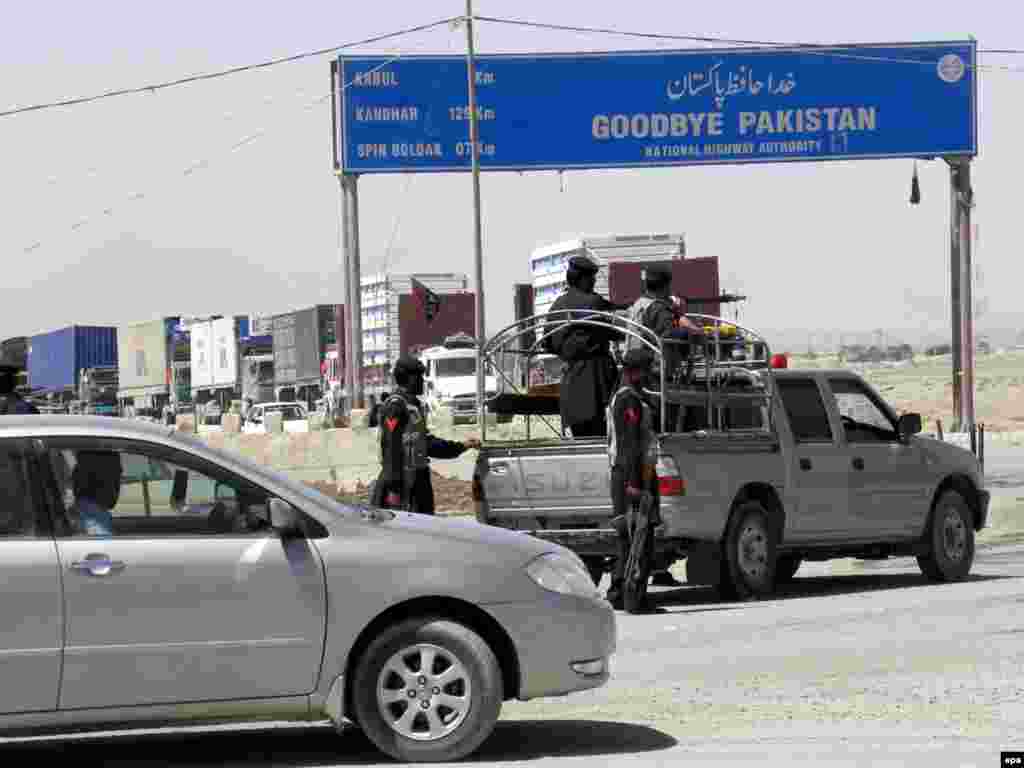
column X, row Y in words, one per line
column 457, row 366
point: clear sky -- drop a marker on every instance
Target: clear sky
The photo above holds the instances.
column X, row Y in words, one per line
column 832, row 246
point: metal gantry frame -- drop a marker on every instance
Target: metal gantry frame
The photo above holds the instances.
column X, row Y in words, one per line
column 674, row 389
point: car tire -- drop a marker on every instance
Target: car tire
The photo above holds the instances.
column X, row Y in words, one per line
column 949, row 540
column 748, row 560
column 382, row 697
column 595, row 567
column 786, row 567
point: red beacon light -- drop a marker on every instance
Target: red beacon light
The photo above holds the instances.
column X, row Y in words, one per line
column 779, row 361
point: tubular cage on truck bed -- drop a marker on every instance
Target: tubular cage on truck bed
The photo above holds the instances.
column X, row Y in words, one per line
column 727, row 367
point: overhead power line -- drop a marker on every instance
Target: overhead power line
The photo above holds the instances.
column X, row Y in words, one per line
column 202, row 164
column 152, row 88
column 834, row 51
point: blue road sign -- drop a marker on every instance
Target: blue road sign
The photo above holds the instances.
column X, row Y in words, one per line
column 561, row 111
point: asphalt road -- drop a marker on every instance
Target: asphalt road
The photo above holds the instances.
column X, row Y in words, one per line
column 854, row 664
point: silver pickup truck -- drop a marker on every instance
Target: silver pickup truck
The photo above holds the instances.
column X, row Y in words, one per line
column 811, row 465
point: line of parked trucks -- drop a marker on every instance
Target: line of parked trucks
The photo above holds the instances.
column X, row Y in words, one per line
column 173, row 365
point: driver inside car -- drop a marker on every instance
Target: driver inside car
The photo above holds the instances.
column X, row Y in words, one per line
column 96, row 481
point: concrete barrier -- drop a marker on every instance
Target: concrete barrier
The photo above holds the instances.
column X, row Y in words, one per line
column 359, row 418
column 342, row 457
column 273, row 422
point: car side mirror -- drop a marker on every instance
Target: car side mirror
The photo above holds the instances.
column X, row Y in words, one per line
column 909, row 424
column 284, row 519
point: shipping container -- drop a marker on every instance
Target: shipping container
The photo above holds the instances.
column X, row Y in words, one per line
column 201, row 356
column 56, row 359
column 300, row 342
column 143, row 351
column 694, row 278
column 224, row 336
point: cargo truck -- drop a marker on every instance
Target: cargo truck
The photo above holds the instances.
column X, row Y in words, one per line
column 145, row 353
column 55, row 361
column 300, row 342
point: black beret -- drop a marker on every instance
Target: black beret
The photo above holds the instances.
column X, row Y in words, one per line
column 408, row 365
column 658, row 272
column 583, row 264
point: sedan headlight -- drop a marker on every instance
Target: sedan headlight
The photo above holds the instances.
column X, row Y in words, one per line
column 559, row 573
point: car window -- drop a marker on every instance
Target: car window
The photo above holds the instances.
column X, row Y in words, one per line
column 107, row 492
column 17, row 507
column 805, row 410
column 863, row 419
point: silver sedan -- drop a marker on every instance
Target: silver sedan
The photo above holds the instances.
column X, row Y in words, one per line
column 150, row 579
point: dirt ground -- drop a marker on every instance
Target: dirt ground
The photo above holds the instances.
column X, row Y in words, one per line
column 451, row 495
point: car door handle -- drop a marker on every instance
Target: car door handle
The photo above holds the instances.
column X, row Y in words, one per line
column 499, row 469
column 98, row 565
column 858, row 463
column 805, row 464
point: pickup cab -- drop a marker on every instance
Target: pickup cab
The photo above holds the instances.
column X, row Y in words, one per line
column 805, row 465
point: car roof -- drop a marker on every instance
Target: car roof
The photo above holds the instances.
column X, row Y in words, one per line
column 62, row 424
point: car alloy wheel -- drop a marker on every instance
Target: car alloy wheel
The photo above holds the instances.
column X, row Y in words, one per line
column 424, row 692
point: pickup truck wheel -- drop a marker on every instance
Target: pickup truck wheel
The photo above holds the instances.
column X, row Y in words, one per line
column 950, row 539
column 427, row 690
column 748, row 563
column 786, row 567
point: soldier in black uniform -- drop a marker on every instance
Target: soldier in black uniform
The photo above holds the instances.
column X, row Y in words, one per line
column 406, row 445
column 633, row 456
column 590, row 372
column 11, row 403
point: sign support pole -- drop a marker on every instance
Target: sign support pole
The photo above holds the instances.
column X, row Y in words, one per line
column 344, row 342
column 965, row 200
column 956, row 314
column 354, row 282
column 474, row 140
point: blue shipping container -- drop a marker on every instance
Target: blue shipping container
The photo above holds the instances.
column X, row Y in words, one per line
column 56, row 359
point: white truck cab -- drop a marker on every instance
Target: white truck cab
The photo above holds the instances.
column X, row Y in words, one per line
column 450, row 379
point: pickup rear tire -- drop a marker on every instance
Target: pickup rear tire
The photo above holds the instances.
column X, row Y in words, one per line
column 949, row 540
column 418, row 714
column 748, row 562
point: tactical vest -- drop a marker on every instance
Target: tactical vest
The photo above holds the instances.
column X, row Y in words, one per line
column 638, row 314
column 414, row 437
column 646, row 423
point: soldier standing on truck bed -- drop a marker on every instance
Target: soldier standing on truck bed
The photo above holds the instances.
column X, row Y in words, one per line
column 406, row 446
column 590, row 370
column 633, row 456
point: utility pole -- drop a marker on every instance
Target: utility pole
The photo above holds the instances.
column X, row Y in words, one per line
column 474, row 140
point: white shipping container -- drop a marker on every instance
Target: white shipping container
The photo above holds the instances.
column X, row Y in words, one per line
column 224, row 353
column 201, row 350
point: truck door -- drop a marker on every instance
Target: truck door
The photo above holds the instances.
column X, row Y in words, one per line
column 890, row 484
column 818, row 471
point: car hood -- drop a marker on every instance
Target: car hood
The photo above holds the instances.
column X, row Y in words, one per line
column 459, row 536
